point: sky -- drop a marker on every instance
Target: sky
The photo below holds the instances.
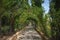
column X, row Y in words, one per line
column 46, row 6
column 29, row 1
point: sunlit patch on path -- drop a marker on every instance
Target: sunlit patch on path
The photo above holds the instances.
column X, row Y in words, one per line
column 28, row 33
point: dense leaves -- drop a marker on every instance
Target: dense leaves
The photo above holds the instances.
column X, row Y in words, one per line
column 55, row 24
column 14, row 14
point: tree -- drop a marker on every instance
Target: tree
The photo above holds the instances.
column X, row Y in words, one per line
column 55, row 25
column 18, row 11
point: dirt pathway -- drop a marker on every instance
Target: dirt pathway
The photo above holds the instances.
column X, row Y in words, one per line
column 29, row 34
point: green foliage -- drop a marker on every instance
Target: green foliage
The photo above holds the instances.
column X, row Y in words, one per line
column 46, row 25
column 5, row 29
column 17, row 12
column 55, row 24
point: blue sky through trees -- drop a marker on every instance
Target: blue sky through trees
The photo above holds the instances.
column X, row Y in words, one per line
column 46, row 6
column 29, row 1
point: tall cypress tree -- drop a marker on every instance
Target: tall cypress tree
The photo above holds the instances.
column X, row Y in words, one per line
column 55, row 25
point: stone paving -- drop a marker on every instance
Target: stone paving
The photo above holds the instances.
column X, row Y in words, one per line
column 29, row 34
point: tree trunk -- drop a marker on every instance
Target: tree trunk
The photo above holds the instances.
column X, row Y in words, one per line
column 0, row 24
column 11, row 23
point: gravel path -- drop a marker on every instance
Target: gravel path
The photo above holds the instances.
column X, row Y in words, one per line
column 29, row 34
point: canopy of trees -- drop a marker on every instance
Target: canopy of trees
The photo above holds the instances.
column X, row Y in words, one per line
column 14, row 14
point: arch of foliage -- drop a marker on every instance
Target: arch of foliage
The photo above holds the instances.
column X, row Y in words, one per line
column 14, row 14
